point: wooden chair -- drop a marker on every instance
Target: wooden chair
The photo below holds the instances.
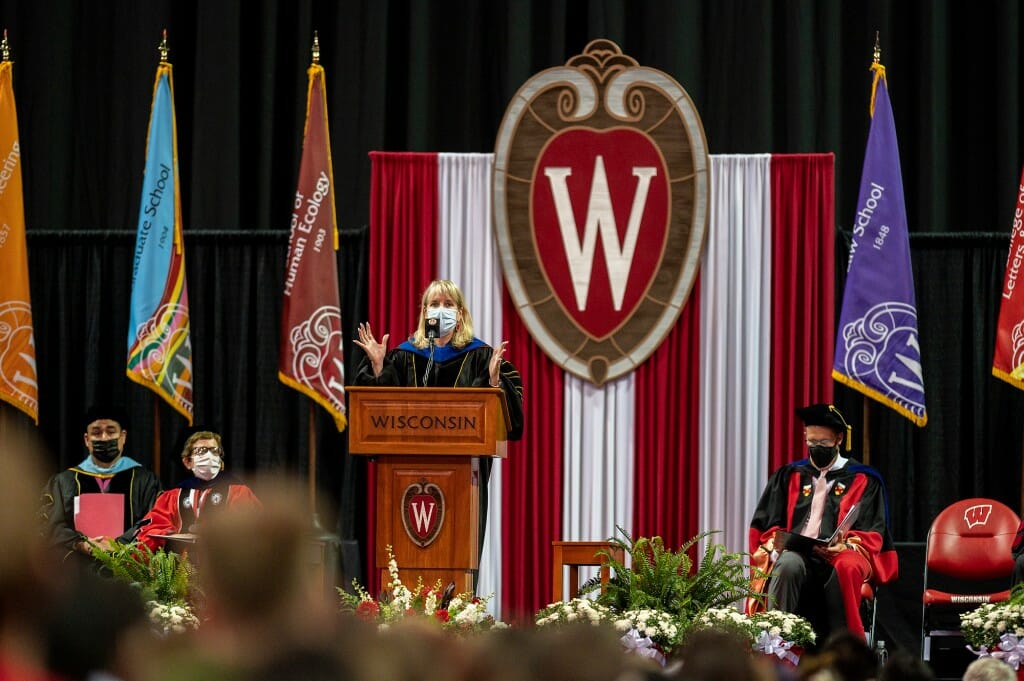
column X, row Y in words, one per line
column 573, row 554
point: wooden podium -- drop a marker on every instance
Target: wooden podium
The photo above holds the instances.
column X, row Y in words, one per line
column 427, row 442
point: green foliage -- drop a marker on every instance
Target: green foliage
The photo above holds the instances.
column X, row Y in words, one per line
column 661, row 579
column 161, row 576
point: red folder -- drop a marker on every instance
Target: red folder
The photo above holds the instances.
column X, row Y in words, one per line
column 99, row 515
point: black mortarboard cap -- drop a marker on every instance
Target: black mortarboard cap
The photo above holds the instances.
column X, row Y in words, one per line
column 105, row 410
column 825, row 415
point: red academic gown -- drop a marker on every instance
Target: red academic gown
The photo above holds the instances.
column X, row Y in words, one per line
column 786, row 503
column 183, row 508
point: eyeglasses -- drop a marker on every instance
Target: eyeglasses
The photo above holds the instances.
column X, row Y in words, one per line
column 199, row 451
column 820, row 443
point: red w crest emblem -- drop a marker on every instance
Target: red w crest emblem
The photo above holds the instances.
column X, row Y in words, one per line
column 600, row 208
column 423, row 510
column 977, row 515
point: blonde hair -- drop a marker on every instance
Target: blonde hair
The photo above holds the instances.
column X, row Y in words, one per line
column 463, row 328
column 186, row 451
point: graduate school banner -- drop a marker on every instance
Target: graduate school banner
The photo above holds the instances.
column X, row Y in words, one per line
column 18, row 384
column 159, row 346
column 877, row 348
column 1008, row 363
column 311, row 359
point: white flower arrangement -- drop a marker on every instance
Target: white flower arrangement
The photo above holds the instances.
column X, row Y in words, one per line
column 726, row 619
column 788, row 626
column 996, row 630
column 171, row 618
column 657, row 625
column 582, row 610
column 463, row 613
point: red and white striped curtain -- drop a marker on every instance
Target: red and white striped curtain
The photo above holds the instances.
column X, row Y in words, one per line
column 683, row 444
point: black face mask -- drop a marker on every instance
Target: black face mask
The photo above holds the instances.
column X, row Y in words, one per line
column 822, row 456
column 105, row 450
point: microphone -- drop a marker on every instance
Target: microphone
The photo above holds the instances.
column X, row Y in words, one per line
column 432, row 331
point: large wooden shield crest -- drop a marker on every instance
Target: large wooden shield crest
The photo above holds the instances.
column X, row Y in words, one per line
column 600, row 208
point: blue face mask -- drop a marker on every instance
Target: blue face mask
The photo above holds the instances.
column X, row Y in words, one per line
column 446, row 319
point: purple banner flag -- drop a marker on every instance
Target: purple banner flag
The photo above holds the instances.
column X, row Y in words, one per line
column 877, row 349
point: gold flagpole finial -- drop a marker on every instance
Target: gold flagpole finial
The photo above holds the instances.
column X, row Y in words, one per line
column 316, row 47
column 878, row 50
column 5, row 48
column 164, row 49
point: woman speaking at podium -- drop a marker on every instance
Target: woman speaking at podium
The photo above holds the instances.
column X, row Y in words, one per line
column 442, row 353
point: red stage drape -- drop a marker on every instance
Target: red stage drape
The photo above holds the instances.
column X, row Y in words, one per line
column 803, row 295
column 403, row 260
column 666, row 494
column 531, row 515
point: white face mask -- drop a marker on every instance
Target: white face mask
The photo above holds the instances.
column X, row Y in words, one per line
column 446, row 317
column 206, row 466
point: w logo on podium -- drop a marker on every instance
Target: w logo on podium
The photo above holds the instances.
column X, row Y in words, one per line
column 423, row 510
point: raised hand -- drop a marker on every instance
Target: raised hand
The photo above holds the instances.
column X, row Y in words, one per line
column 374, row 351
column 495, row 366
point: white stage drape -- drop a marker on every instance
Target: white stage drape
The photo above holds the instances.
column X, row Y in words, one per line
column 597, row 479
column 468, row 255
column 735, row 346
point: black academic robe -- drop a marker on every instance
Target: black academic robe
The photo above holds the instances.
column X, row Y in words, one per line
column 466, row 367
column 139, row 486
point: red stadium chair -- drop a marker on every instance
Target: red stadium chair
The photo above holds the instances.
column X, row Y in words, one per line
column 970, row 542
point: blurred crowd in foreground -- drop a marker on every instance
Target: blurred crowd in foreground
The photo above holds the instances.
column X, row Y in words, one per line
column 266, row 616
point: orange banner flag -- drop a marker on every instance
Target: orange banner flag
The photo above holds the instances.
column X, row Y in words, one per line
column 1008, row 363
column 311, row 358
column 18, row 382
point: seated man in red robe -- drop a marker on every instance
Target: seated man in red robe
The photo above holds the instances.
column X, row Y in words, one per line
column 208, row 490
column 811, row 497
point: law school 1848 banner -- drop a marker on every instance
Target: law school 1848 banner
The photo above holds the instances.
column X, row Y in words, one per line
column 877, row 349
column 311, row 355
column 18, row 383
column 1008, row 362
column 159, row 346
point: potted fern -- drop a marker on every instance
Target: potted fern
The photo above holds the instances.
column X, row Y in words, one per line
column 163, row 578
column 664, row 593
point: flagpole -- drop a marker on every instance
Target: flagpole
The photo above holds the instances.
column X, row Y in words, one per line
column 156, row 437
column 312, row 466
column 865, row 427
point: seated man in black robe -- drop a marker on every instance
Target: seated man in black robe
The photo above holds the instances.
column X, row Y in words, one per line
column 105, row 470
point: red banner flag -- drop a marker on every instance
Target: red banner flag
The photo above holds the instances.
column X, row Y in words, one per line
column 18, row 383
column 311, row 358
column 1008, row 363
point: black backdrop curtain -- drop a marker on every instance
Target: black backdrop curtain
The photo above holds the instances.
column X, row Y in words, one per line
column 437, row 76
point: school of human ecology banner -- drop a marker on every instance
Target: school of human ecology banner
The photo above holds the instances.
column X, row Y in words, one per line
column 311, row 358
column 18, row 382
column 159, row 345
column 877, row 348
column 1008, row 362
